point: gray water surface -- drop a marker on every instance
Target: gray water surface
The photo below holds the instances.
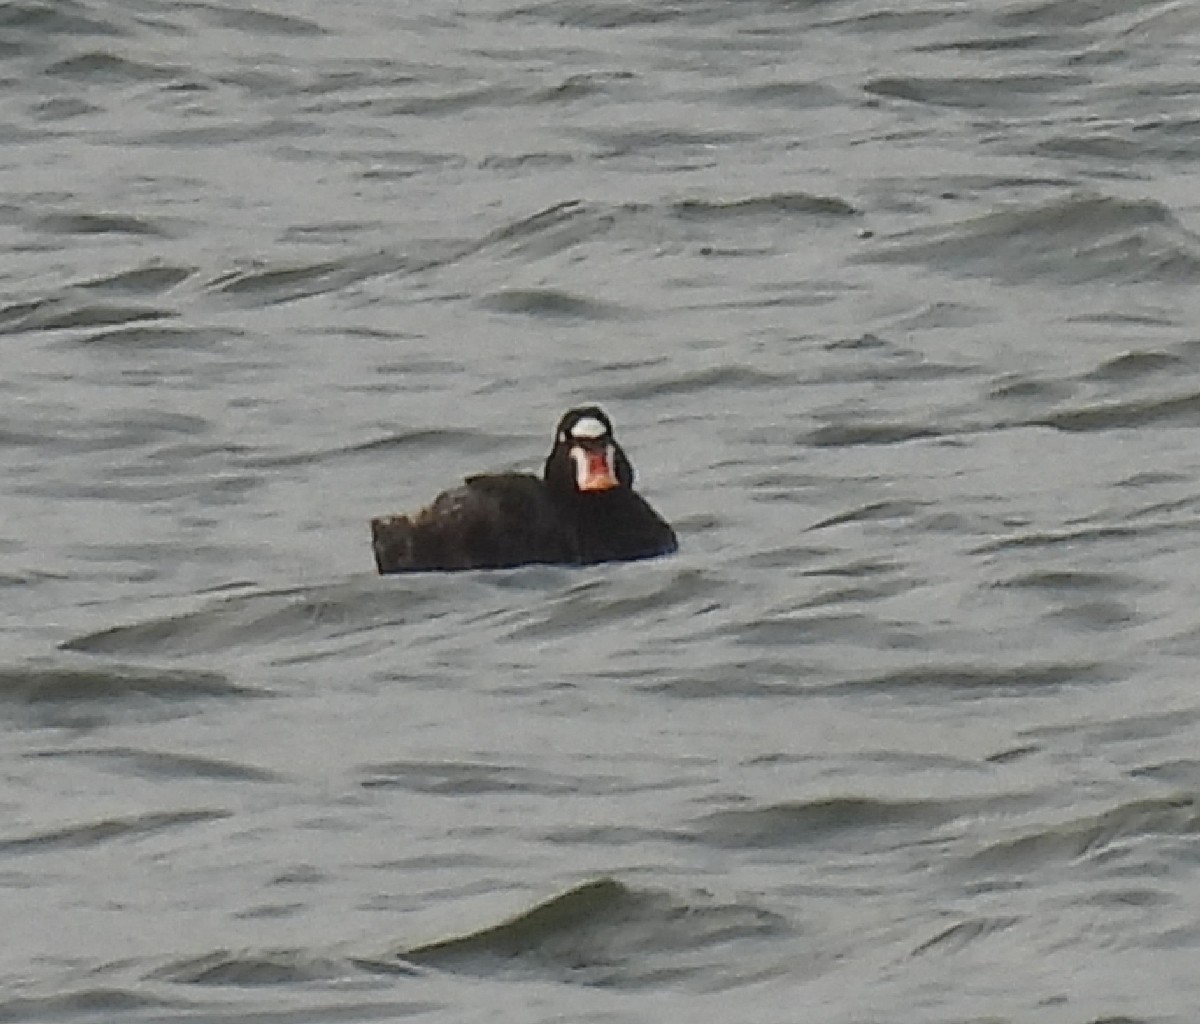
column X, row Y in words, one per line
column 895, row 308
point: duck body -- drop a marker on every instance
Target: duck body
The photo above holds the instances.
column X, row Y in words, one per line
column 582, row 511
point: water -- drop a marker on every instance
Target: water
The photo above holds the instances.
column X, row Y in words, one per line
column 894, row 307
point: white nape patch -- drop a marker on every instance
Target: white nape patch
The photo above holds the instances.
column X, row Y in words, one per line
column 588, row 428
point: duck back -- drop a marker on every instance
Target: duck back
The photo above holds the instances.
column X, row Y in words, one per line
column 492, row 521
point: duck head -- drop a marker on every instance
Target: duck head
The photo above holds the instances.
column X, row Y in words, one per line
column 586, row 459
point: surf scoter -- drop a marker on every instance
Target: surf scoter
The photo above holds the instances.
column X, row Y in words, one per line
column 583, row 510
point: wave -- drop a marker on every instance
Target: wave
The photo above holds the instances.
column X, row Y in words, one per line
column 96, row 833
column 1079, row 238
column 61, row 684
column 603, row 932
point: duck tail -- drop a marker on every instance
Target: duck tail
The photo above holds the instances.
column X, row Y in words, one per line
column 392, row 542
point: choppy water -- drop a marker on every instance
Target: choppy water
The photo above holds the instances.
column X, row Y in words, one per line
column 895, row 306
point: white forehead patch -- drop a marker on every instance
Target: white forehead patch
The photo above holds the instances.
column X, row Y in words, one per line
column 588, row 428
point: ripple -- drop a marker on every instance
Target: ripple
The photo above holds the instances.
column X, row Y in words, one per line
column 67, row 19
column 605, row 933
column 276, row 284
column 793, row 823
column 1017, row 678
column 1090, row 835
column 154, row 764
column 152, row 280
column 144, row 338
column 1073, row 240
column 97, row 224
column 958, row 937
column 102, row 66
column 91, row 1002
column 1079, row 535
column 64, row 314
column 1071, row 581
column 551, row 303
column 982, row 93
column 585, row 85
column 858, row 433
column 768, row 206
column 430, row 439
column 472, row 778
column 102, row 683
column 874, row 511
column 601, row 14
column 609, row 600
column 551, row 230
column 261, row 618
column 733, row 377
column 258, row 22
column 1180, row 410
column 107, row 830
column 274, row 967
column 1135, row 365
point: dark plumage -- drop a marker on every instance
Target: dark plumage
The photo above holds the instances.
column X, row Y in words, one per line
column 583, row 510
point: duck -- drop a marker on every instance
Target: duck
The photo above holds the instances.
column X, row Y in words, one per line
column 582, row 510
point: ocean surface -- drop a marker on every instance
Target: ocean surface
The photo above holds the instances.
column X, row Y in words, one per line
column 896, row 306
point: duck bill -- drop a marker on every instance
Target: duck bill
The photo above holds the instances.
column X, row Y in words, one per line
column 594, row 469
